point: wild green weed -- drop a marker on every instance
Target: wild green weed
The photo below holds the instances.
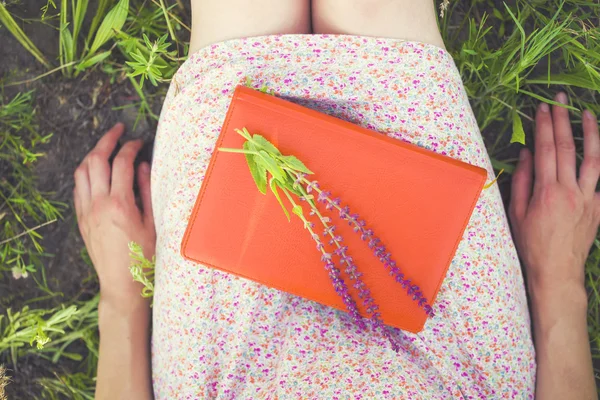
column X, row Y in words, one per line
column 23, row 208
column 49, row 333
column 142, row 269
column 70, row 29
column 9, row 22
column 78, row 386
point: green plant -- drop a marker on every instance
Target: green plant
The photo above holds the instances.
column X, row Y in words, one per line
column 23, row 208
column 70, row 29
column 146, row 65
column 142, row 269
column 52, row 335
column 8, row 21
column 78, row 386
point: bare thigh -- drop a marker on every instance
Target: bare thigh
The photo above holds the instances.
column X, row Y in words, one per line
column 397, row 19
column 217, row 20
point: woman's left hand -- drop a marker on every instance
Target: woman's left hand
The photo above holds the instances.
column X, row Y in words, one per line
column 109, row 218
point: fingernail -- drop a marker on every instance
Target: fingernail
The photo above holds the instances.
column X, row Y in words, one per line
column 589, row 114
column 523, row 154
column 145, row 168
column 544, row 107
column 562, row 98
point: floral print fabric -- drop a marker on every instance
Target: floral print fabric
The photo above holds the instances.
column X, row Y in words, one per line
column 219, row 336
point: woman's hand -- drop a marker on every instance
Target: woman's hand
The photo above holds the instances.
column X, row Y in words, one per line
column 555, row 219
column 109, row 218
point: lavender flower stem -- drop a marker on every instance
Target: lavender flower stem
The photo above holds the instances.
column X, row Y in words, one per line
column 334, row 274
column 360, row 227
column 354, row 275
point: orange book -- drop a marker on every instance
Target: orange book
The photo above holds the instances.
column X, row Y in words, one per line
column 416, row 201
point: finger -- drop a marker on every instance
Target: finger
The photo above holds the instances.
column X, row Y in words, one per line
column 545, row 151
column 144, row 183
column 122, row 169
column 106, row 145
column 99, row 173
column 78, row 212
column 82, row 188
column 521, row 187
column 590, row 167
column 565, row 145
column 97, row 161
column 77, row 204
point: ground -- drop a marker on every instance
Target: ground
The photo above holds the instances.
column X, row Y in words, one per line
column 77, row 112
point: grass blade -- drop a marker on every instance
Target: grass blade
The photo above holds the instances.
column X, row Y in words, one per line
column 114, row 21
column 8, row 21
column 79, row 8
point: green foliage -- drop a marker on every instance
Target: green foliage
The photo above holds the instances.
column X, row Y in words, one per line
column 263, row 158
column 23, row 208
column 501, row 52
column 518, row 135
column 145, row 64
column 8, row 21
column 78, row 386
column 52, row 331
column 70, row 29
column 142, row 269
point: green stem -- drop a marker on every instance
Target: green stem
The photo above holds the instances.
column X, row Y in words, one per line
column 166, row 13
column 302, row 217
column 295, row 174
column 229, row 150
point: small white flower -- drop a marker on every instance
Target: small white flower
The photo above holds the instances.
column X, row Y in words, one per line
column 443, row 7
column 18, row 274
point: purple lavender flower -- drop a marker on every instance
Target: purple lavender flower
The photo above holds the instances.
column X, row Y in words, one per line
column 323, row 197
column 334, row 274
column 342, row 290
column 363, row 292
column 373, row 242
column 312, row 185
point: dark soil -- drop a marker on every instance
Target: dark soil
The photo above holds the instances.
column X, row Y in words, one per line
column 77, row 112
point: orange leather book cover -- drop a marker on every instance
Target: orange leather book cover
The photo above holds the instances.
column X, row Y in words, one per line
column 416, row 201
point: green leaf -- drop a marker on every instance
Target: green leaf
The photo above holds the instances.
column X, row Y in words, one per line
column 244, row 133
column 296, row 164
column 518, row 134
column 297, row 210
column 499, row 165
column 273, row 186
column 258, row 172
column 288, row 183
column 270, row 165
column 66, row 43
column 114, row 21
column 93, row 60
column 469, row 51
column 265, row 144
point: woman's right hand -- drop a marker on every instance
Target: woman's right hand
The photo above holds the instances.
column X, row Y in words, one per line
column 555, row 218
